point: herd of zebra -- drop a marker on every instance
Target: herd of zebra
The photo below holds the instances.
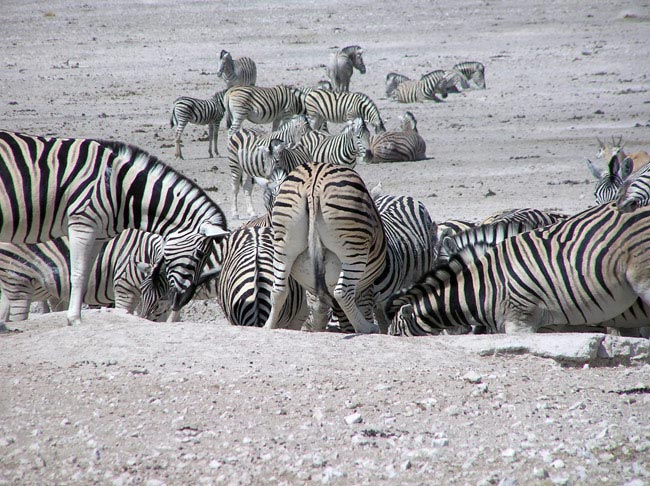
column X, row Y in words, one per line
column 104, row 223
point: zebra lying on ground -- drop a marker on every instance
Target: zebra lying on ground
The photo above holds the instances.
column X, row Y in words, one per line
column 262, row 105
column 41, row 271
column 329, row 237
column 199, row 112
column 430, row 87
column 236, row 72
column 398, row 146
column 393, row 80
column 323, row 105
column 90, row 191
column 249, row 156
column 473, row 71
column 585, row 270
column 341, row 67
column 344, row 149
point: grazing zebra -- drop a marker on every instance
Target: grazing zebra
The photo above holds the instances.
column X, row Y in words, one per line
column 41, row 271
column 411, row 248
column 249, row 156
column 473, row 71
column 323, row 105
column 90, row 191
column 200, row 112
column 341, row 67
column 245, row 281
column 429, row 87
column 399, row 146
column 262, row 105
column 345, row 148
column 393, row 80
column 328, row 236
column 585, row 270
column 236, row 72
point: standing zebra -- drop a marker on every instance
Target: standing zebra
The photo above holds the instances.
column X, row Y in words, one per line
column 323, row 105
column 261, row 105
column 341, row 67
column 399, row 146
column 41, row 271
column 345, row 148
column 585, row 270
column 236, row 72
column 249, row 156
column 328, row 236
column 90, row 191
column 199, row 112
column 473, row 71
column 411, row 248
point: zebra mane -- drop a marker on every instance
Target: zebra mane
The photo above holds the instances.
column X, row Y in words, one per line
column 436, row 278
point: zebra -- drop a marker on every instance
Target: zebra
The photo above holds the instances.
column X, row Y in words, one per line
column 271, row 189
column 585, row 270
column 453, row 226
column 610, row 181
column 345, row 148
column 411, row 248
column 200, row 112
column 236, row 72
column 323, row 105
column 342, row 65
column 398, row 146
column 393, row 80
column 429, row 87
column 635, row 191
column 249, row 156
column 535, row 217
column 262, row 105
column 473, row 71
column 90, row 191
column 41, row 271
column 328, row 236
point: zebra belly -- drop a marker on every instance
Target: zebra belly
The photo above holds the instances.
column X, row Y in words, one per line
column 303, row 271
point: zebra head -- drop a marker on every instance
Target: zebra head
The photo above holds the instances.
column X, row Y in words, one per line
column 635, row 191
column 155, row 301
column 362, row 138
column 185, row 255
column 357, row 60
column 225, row 60
column 609, row 181
column 408, row 122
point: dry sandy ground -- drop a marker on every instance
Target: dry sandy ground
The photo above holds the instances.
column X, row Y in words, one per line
column 119, row 401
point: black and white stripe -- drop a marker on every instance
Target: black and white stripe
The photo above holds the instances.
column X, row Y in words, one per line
column 398, row 146
column 90, row 191
column 330, row 106
column 236, row 72
column 342, row 65
column 345, row 148
column 431, row 86
column 199, row 112
column 328, row 236
column 473, row 71
column 585, row 270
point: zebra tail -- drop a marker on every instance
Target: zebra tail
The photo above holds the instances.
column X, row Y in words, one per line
column 172, row 120
column 316, row 249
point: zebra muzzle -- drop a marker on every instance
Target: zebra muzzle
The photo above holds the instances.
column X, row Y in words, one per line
column 181, row 299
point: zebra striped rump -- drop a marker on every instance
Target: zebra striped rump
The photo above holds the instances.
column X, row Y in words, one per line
column 585, row 270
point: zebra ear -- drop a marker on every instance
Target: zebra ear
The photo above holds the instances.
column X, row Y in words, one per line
column 614, row 166
column 212, row 230
column 627, row 167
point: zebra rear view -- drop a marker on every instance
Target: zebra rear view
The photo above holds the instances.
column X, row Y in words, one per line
column 90, row 191
column 328, row 236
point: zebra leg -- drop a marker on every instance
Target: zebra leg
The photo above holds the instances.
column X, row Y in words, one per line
column 345, row 295
column 179, row 132
column 84, row 248
column 19, row 309
column 248, row 190
column 211, row 139
column 214, row 137
column 5, row 310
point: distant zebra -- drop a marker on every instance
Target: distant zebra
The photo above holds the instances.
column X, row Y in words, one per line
column 90, row 191
column 328, row 236
column 585, row 270
column 249, row 156
column 345, row 148
column 41, row 271
column 411, row 248
column 398, row 146
column 341, row 67
column 245, row 281
column 429, row 87
column 236, row 72
column 473, row 71
column 393, row 80
column 199, row 112
column 330, row 106
column 262, row 105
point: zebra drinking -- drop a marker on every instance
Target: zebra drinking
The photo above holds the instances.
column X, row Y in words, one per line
column 236, row 72
column 90, row 191
column 199, row 112
column 585, row 270
column 342, row 65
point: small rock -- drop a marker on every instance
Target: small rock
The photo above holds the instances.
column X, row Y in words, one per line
column 472, row 377
column 354, row 418
column 406, row 465
column 442, row 442
column 7, row 441
column 452, row 410
column 558, row 464
column 540, row 473
column 508, row 453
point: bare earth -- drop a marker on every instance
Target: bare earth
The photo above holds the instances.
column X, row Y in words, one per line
column 119, row 400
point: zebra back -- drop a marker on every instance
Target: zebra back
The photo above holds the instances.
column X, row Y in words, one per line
column 535, row 217
column 345, row 148
column 331, row 106
column 398, row 146
column 236, row 72
column 474, row 71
